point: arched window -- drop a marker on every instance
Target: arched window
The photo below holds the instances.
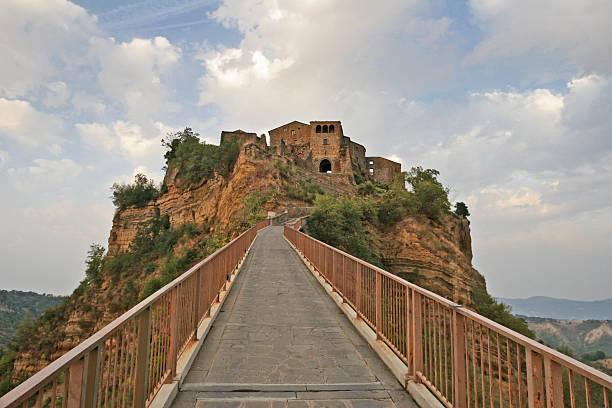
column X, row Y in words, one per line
column 324, row 128
column 325, row 166
column 318, row 129
column 331, row 129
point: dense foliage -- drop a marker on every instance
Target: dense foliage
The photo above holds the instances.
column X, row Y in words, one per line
column 342, row 224
column 197, row 160
column 461, row 209
column 138, row 194
column 16, row 306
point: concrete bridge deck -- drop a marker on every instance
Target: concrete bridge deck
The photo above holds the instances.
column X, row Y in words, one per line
column 281, row 341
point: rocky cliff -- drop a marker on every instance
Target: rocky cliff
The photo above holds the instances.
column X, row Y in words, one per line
column 436, row 256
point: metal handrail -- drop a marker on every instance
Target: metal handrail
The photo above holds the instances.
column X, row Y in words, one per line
column 465, row 359
column 126, row 362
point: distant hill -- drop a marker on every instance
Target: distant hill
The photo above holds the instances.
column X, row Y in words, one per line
column 543, row 306
column 15, row 306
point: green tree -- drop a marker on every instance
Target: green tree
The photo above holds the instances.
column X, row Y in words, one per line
column 174, row 140
column 94, row 262
column 461, row 209
column 430, row 195
column 342, row 224
column 137, row 194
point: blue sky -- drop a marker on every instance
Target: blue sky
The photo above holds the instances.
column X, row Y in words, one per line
column 509, row 99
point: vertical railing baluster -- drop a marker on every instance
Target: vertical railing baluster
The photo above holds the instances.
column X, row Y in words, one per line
column 535, row 379
column 459, row 368
column 75, row 388
column 91, row 373
column 417, row 334
column 554, row 383
column 142, row 357
column 378, row 299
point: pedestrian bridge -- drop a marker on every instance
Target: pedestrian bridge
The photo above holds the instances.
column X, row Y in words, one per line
column 279, row 319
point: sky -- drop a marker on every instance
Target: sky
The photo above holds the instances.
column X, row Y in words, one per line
column 511, row 100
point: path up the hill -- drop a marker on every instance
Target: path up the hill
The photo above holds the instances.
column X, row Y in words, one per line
column 281, row 341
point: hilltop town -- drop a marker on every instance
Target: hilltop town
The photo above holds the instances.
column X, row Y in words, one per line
column 322, row 146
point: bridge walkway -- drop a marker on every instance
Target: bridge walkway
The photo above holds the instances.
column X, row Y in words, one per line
column 281, row 341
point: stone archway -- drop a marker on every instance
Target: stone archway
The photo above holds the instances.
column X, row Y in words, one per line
column 325, row 166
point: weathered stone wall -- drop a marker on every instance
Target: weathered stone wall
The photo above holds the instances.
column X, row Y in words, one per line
column 358, row 158
column 295, row 135
column 383, row 170
column 243, row 137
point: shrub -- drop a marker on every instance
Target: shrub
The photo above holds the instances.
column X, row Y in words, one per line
column 150, row 287
column 197, row 160
column 252, row 207
column 432, row 199
column 305, row 190
column 94, row 264
column 596, row 355
column 284, row 170
column 461, row 209
column 138, row 194
column 342, row 223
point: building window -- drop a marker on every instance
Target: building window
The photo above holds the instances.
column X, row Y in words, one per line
column 325, row 166
column 331, row 129
column 371, row 171
column 318, row 129
column 292, row 132
column 324, row 141
column 371, row 161
column 324, row 128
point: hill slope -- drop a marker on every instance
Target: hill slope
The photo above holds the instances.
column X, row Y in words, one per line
column 543, row 306
column 15, row 306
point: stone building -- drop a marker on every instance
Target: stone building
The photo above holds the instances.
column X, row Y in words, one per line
column 323, row 147
column 243, row 137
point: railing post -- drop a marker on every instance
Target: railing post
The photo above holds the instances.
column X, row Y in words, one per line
column 173, row 335
column 91, row 372
column 554, row 383
column 358, row 290
column 198, row 307
column 535, row 379
column 408, row 334
column 75, row 390
column 142, row 358
column 378, row 297
column 344, row 291
column 459, row 360
column 417, row 334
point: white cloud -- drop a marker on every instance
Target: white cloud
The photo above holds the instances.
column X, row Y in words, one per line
column 4, row 157
column 56, row 95
column 133, row 72
column 21, row 122
column 125, row 137
column 311, row 59
column 88, row 103
column 38, row 37
column 44, row 173
column 96, row 135
column 574, row 31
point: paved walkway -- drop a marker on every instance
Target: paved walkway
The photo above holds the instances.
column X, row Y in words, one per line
column 281, row 341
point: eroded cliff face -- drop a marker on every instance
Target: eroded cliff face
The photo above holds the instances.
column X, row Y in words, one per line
column 434, row 255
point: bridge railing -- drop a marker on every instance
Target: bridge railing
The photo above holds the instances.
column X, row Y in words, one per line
column 126, row 362
column 465, row 359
